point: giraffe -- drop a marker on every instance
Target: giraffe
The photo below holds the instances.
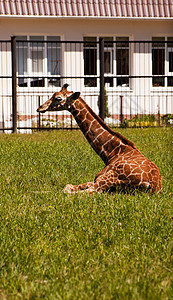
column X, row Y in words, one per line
column 125, row 165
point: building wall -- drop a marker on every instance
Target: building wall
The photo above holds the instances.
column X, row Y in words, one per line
column 75, row 30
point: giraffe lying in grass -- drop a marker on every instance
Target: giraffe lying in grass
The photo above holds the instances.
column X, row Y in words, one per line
column 125, row 166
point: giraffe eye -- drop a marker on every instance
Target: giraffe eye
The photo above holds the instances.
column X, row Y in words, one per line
column 58, row 99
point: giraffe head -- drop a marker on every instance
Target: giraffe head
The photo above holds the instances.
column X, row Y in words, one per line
column 61, row 100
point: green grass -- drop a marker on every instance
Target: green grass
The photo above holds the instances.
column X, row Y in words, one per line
column 59, row 246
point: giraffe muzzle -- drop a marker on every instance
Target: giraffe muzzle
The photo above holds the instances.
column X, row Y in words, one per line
column 41, row 109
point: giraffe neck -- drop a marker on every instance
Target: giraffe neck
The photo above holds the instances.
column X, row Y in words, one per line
column 107, row 143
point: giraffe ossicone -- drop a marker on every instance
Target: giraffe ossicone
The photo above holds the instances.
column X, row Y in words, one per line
column 126, row 166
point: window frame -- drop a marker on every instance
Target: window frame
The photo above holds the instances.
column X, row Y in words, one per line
column 169, row 73
column 113, row 64
column 29, row 73
column 167, row 49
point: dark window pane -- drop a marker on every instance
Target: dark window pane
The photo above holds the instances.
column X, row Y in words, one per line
column 109, row 81
column 90, row 82
column 170, row 81
column 158, row 81
column 107, row 62
column 22, row 82
column 37, row 82
column 122, row 42
column 170, row 61
column 89, row 42
column 54, row 82
column 158, row 42
column 122, row 56
column 170, row 40
column 122, row 81
column 158, row 58
column 108, row 42
column 90, row 62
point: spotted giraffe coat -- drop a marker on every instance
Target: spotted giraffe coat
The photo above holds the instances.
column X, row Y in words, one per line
column 125, row 166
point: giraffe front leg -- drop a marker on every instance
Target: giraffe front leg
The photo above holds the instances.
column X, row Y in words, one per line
column 89, row 187
column 107, row 181
column 71, row 189
column 104, row 181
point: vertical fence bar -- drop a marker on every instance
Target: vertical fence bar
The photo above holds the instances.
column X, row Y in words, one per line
column 102, row 94
column 121, row 109
column 3, row 114
column 166, row 110
column 159, row 114
column 14, row 98
column 39, row 117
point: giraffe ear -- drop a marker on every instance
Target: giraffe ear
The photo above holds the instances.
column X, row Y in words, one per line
column 65, row 86
column 73, row 97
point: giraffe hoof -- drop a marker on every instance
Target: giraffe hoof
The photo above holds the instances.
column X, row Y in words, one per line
column 68, row 189
column 148, row 188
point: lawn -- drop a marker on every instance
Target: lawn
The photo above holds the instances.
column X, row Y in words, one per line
column 60, row 246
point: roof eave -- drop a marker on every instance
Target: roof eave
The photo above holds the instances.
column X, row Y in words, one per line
column 85, row 17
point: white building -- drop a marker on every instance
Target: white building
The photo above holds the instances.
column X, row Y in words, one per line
column 137, row 66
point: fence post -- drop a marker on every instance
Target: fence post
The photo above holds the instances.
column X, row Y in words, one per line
column 14, row 98
column 158, row 115
column 121, row 109
column 39, row 120
column 102, row 93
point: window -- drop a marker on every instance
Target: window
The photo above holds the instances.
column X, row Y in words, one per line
column 116, row 61
column 38, row 61
column 90, row 61
column 162, row 61
column 170, row 61
column 122, row 58
column 21, row 60
column 53, row 59
column 108, row 60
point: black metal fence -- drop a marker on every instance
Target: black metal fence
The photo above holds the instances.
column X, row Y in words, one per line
column 128, row 83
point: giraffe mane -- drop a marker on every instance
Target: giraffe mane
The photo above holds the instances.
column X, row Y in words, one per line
column 103, row 124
